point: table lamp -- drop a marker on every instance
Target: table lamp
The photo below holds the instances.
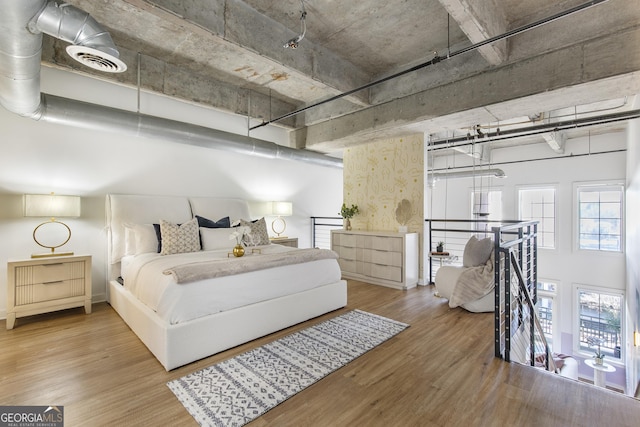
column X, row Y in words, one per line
column 51, row 234
column 280, row 209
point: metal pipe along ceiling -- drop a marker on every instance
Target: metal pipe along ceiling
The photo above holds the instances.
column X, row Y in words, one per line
column 105, row 119
column 21, row 25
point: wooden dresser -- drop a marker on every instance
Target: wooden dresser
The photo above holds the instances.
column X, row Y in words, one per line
column 42, row 285
column 378, row 257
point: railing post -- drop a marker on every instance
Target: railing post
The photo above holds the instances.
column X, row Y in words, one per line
column 431, row 281
column 535, row 262
column 496, row 291
column 507, row 306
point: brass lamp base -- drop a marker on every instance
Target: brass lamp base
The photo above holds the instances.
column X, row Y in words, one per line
column 51, row 254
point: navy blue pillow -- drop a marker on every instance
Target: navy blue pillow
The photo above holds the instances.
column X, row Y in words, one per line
column 207, row 223
column 159, row 236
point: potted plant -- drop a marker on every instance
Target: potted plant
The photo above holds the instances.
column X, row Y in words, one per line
column 348, row 213
column 598, row 357
column 440, row 247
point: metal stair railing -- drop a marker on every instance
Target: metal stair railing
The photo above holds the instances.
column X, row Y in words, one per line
column 321, row 227
column 519, row 336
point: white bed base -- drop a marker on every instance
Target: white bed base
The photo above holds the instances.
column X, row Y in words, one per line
column 183, row 343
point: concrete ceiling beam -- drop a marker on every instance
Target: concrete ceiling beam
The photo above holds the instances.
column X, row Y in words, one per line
column 540, row 83
column 231, row 43
column 481, row 20
column 182, row 83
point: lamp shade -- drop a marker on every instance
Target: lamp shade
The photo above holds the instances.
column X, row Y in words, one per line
column 51, row 205
column 281, row 208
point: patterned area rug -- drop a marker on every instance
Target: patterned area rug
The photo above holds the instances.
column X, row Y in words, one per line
column 238, row 390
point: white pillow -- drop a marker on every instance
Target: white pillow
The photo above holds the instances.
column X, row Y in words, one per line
column 178, row 239
column 129, row 240
column 216, row 238
column 477, row 252
column 140, row 239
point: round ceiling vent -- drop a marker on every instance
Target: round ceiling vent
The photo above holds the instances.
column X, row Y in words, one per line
column 96, row 59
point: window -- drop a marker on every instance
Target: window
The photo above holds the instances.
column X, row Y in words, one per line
column 600, row 217
column 539, row 204
column 600, row 319
column 546, row 309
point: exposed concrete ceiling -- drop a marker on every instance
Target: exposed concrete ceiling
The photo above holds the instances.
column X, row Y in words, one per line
column 230, row 55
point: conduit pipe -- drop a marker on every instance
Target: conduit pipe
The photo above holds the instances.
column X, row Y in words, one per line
column 22, row 23
column 438, row 58
column 501, row 135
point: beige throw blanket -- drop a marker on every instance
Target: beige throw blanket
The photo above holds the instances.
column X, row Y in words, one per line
column 191, row 272
column 473, row 283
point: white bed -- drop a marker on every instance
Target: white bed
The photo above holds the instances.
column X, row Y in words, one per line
column 181, row 323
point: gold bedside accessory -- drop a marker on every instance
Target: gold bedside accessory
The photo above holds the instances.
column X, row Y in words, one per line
column 279, row 209
column 51, row 234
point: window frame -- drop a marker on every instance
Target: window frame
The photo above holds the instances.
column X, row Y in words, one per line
column 577, row 287
column 554, row 296
column 600, row 186
column 554, row 187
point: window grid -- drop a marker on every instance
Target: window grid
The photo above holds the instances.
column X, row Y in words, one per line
column 600, row 218
column 539, row 204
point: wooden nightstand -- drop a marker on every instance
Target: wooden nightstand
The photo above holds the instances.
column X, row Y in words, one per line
column 36, row 286
column 286, row 241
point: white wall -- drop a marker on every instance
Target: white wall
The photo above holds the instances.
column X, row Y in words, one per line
column 39, row 158
column 565, row 264
column 633, row 252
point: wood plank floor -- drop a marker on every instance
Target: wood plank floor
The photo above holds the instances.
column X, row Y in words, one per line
column 439, row 372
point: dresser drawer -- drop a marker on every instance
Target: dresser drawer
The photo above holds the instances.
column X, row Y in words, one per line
column 44, row 273
column 347, row 265
column 383, row 257
column 386, row 243
column 384, row 272
column 349, row 240
column 49, row 291
column 346, row 252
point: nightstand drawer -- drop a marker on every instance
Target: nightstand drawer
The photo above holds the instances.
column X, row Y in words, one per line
column 49, row 291
column 49, row 273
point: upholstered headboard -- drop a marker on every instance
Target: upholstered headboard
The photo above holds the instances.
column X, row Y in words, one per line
column 125, row 209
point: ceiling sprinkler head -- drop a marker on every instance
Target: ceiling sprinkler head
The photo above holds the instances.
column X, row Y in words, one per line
column 293, row 43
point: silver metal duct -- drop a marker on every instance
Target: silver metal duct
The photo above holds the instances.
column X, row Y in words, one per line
column 91, row 44
column 493, row 173
column 105, row 119
column 20, row 55
column 22, row 23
